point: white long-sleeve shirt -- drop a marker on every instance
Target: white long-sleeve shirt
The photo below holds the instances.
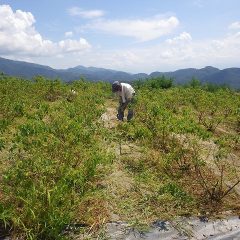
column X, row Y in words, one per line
column 127, row 92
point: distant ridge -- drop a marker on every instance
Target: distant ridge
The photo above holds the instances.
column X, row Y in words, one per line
column 209, row 74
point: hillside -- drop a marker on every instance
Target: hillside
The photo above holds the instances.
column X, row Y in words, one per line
column 230, row 76
column 184, row 75
column 69, row 167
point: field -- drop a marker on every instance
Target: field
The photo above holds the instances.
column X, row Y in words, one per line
column 66, row 161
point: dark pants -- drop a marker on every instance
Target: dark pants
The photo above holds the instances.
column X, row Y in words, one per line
column 122, row 106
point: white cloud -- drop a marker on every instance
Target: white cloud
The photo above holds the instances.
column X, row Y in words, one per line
column 183, row 52
column 73, row 45
column 234, row 25
column 140, row 29
column 75, row 11
column 183, row 37
column 18, row 36
column 68, row 34
column 165, row 56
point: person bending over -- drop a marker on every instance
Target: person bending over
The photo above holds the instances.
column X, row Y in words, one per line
column 126, row 95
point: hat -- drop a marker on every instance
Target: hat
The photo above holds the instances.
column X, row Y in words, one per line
column 115, row 86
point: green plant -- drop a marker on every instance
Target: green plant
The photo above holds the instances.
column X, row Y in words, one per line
column 53, row 151
column 176, row 191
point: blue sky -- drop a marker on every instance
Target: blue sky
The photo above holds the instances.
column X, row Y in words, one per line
column 134, row 36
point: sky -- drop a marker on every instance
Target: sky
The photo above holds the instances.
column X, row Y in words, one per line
column 128, row 35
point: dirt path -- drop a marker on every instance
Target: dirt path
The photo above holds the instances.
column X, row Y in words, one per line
column 119, row 183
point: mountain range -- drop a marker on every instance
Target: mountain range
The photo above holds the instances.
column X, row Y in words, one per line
column 228, row 76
